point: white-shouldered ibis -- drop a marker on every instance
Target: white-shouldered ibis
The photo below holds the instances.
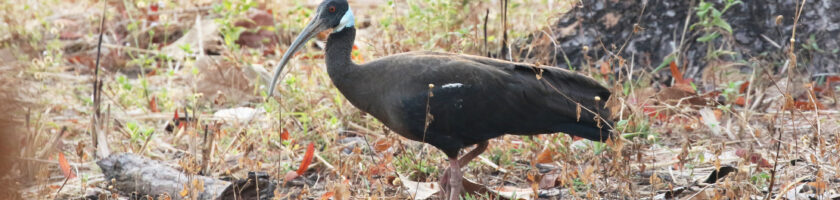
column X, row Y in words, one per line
column 473, row 99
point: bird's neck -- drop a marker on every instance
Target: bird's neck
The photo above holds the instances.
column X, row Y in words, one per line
column 339, row 48
column 345, row 75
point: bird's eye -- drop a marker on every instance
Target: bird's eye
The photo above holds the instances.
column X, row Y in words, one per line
column 332, row 9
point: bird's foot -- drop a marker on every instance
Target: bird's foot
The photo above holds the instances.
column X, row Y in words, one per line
column 456, row 187
column 451, row 186
column 444, row 185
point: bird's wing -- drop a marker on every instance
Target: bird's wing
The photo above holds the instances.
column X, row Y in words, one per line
column 481, row 98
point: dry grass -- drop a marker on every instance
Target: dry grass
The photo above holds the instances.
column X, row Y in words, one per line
column 53, row 48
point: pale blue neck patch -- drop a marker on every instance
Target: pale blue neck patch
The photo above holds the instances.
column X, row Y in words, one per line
column 347, row 21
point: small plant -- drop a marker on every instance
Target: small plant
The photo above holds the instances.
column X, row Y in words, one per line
column 417, row 170
column 139, row 135
column 231, row 11
column 713, row 25
column 761, row 179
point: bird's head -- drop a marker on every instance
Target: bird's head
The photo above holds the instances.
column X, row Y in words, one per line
column 331, row 14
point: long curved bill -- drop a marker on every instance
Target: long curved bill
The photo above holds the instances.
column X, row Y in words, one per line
column 313, row 28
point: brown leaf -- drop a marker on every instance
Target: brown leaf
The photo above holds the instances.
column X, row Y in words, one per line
column 546, row 156
column 382, row 144
column 605, row 68
column 153, row 105
column 672, row 95
column 327, row 195
column 549, row 180
column 342, row 191
column 256, row 35
column 284, row 135
column 675, row 72
column 289, row 176
column 307, row 158
column 65, row 167
column 744, row 87
column 753, row 158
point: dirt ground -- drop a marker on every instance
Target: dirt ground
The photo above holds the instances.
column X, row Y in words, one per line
column 180, row 109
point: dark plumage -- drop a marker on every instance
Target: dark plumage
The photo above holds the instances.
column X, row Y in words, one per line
column 473, row 98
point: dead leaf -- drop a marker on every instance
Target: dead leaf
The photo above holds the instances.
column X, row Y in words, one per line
column 419, row 190
column 153, row 105
column 284, row 135
column 209, row 31
column 710, row 119
column 289, row 176
column 515, row 193
column 546, row 156
column 307, row 158
column 382, row 144
column 675, row 72
column 342, row 191
column 327, row 195
column 673, row 95
column 605, row 68
column 65, row 167
column 549, row 180
column 754, row 158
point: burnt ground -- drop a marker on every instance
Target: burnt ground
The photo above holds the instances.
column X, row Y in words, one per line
column 647, row 32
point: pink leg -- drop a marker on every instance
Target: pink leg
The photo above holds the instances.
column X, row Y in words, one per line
column 445, row 179
column 455, row 185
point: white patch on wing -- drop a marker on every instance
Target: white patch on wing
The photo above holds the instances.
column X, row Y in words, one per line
column 453, row 85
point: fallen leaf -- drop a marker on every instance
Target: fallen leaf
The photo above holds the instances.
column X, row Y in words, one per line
column 684, row 93
column 153, row 105
column 256, row 32
column 744, row 87
column 307, row 158
column 284, row 135
column 327, row 195
column 289, row 176
column 342, row 191
column 675, row 72
column 185, row 191
column 549, row 180
column 741, row 101
column 710, row 119
column 65, row 167
column 753, row 158
column 546, row 156
column 382, row 144
column 515, row 193
column 605, row 68
column 419, row 190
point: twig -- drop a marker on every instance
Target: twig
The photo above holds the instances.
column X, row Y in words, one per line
column 207, row 151
column 100, row 141
column 491, row 164
column 816, row 110
column 135, row 49
column 788, row 187
column 486, row 16
column 364, row 130
column 792, row 63
column 505, row 51
column 62, row 187
column 327, row 164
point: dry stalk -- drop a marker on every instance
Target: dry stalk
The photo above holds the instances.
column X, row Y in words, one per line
column 792, row 63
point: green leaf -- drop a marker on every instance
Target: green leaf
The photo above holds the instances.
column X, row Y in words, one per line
column 703, row 9
column 708, row 37
column 716, row 13
column 665, row 62
column 722, row 24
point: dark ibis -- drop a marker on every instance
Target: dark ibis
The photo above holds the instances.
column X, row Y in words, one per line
column 452, row 101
